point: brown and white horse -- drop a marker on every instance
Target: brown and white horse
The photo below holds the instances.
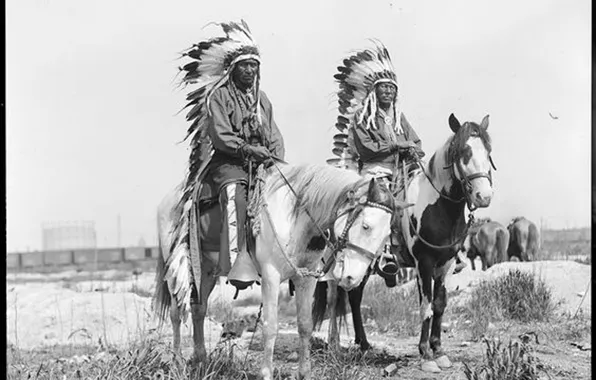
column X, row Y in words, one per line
column 457, row 175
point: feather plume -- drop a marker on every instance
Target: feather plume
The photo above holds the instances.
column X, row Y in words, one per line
column 211, row 62
column 356, row 79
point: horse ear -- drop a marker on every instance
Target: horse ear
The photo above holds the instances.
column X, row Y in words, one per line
column 484, row 123
column 454, row 123
column 376, row 193
column 372, row 187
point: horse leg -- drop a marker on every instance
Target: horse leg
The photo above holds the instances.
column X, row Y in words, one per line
column 355, row 297
column 425, row 293
column 438, row 308
column 484, row 261
column 305, row 287
column 175, row 318
column 199, row 311
column 269, row 295
column 472, row 259
column 333, row 335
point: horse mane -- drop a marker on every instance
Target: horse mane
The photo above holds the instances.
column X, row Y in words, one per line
column 321, row 189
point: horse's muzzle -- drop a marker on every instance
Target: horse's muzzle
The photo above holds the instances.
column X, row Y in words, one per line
column 482, row 199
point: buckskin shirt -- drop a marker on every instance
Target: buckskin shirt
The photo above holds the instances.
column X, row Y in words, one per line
column 374, row 145
column 231, row 126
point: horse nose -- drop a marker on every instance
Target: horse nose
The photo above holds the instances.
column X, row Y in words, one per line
column 483, row 199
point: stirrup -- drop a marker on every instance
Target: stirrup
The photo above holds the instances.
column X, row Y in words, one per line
column 243, row 273
column 387, row 268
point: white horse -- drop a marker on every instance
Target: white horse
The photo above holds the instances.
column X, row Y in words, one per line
column 300, row 203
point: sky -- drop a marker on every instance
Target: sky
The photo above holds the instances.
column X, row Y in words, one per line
column 93, row 129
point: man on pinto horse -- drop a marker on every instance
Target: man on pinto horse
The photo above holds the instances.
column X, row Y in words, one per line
column 378, row 134
column 235, row 132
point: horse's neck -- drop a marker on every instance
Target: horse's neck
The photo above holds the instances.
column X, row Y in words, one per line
column 444, row 186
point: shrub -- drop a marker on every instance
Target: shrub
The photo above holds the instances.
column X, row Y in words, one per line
column 515, row 361
column 518, row 296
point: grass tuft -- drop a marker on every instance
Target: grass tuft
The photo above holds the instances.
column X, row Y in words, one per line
column 518, row 296
column 514, row 361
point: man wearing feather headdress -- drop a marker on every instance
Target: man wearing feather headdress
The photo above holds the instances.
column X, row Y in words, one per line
column 374, row 132
column 233, row 130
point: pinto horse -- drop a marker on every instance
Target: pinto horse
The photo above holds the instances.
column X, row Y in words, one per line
column 299, row 202
column 458, row 174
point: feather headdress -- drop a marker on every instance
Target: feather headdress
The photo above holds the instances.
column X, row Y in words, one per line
column 211, row 65
column 357, row 78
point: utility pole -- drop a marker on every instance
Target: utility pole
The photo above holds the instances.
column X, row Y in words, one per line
column 541, row 232
column 119, row 227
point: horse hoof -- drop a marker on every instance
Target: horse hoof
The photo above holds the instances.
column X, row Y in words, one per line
column 430, row 366
column 443, row 362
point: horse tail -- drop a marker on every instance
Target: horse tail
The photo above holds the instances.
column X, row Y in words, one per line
column 162, row 298
column 319, row 306
column 340, row 306
column 533, row 241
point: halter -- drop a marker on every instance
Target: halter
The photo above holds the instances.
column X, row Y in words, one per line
column 342, row 241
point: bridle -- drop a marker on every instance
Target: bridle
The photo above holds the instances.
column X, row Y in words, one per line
column 342, row 241
column 466, row 185
column 336, row 245
column 466, row 180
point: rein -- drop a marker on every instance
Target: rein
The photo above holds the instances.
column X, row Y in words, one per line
column 342, row 241
column 458, row 240
column 465, row 180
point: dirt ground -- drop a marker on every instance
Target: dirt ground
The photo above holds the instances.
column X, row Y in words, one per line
column 113, row 308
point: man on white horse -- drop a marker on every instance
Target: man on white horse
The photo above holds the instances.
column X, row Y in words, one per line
column 235, row 135
column 379, row 136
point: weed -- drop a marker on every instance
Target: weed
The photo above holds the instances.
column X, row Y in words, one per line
column 514, row 361
column 518, row 296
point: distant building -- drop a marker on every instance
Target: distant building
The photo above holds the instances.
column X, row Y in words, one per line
column 68, row 235
column 142, row 242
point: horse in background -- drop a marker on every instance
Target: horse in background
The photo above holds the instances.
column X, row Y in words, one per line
column 489, row 241
column 524, row 239
column 299, row 203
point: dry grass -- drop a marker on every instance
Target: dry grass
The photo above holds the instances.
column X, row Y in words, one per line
column 395, row 309
column 350, row 363
column 150, row 359
column 514, row 361
column 517, row 296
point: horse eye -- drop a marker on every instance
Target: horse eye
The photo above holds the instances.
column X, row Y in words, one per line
column 365, row 226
